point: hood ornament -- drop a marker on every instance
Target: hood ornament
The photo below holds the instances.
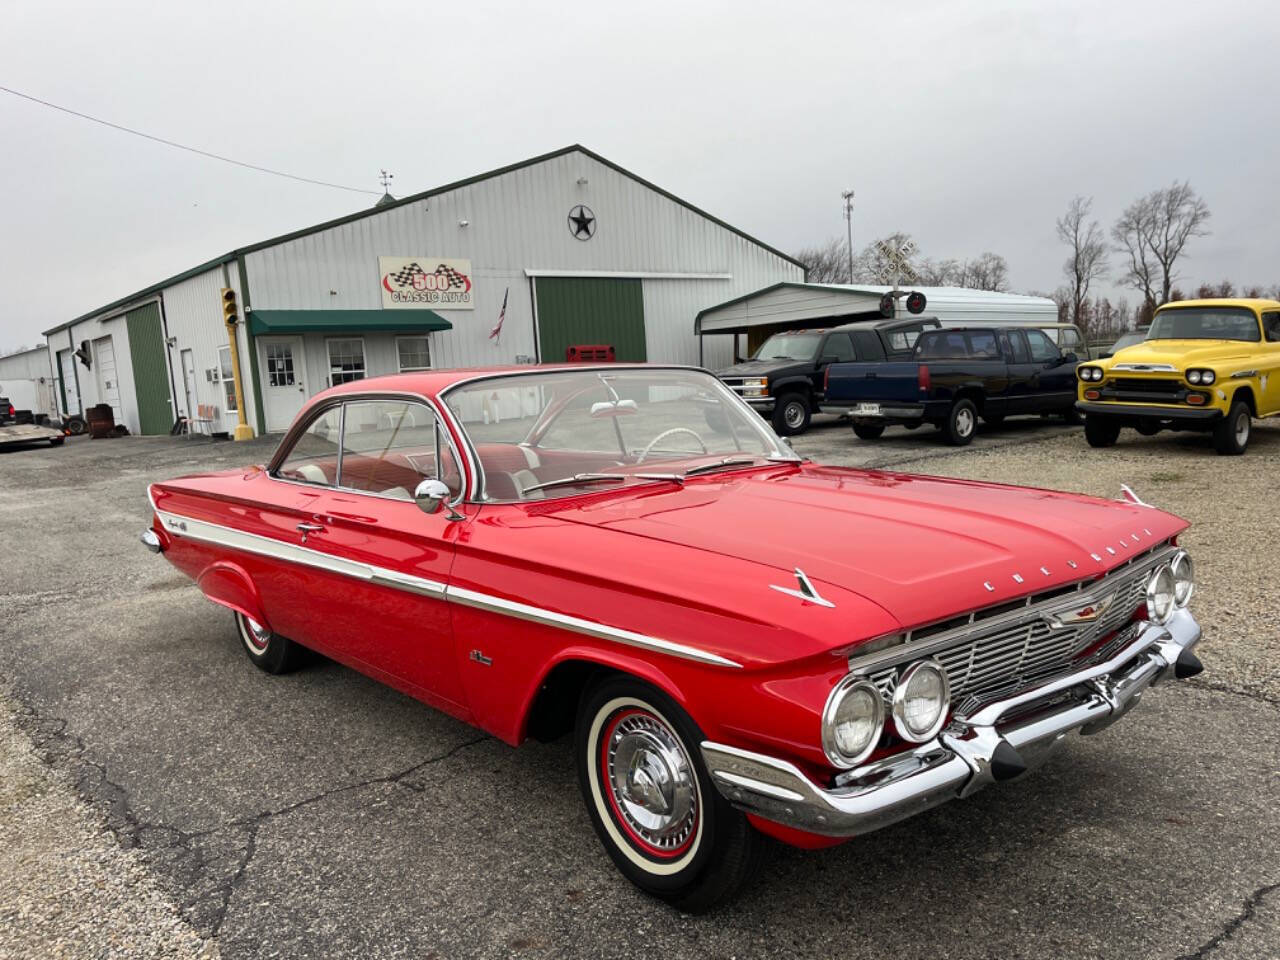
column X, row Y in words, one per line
column 807, row 592
column 1128, row 496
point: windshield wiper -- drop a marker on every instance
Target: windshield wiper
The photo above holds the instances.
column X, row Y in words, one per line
column 578, row 479
column 724, row 464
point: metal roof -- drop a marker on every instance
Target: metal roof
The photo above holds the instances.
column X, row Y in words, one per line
column 384, row 205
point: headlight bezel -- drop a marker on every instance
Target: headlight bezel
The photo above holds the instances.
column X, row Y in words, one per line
column 1183, row 569
column 1154, row 613
column 838, row 695
column 900, row 724
column 755, row 386
column 1091, row 374
column 1201, row 377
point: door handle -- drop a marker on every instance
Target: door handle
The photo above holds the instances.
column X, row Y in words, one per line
column 306, row 528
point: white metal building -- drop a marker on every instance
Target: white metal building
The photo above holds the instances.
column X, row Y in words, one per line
column 514, row 265
column 27, row 380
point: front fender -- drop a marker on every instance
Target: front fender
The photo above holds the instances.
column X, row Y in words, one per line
column 229, row 585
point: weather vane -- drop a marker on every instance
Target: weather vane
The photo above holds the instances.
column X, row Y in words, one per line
column 385, row 179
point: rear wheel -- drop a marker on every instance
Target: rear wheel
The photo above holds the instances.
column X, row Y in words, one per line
column 961, row 423
column 868, row 431
column 76, row 425
column 1100, row 433
column 1231, row 433
column 791, row 414
column 652, row 802
column 268, row 651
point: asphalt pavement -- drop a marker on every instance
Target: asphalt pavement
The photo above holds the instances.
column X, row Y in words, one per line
column 321, row 814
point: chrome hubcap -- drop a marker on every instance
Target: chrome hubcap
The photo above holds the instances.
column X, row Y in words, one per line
column 1242, row 430
column 256, row 636
column 794, row 415
column 652, row 781
column 964, row 423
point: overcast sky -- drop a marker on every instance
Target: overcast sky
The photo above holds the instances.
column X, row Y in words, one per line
column 968, row 125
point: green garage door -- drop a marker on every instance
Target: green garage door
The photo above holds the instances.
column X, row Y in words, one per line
column 150, row 377
column 573, row 310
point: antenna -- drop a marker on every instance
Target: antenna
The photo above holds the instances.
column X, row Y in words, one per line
column 847, row 196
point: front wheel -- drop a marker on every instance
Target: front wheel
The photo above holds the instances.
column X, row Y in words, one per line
column 652, row 802
column 268, row 651
column 868, row 431
column 1231, row 433
column 791, row 414
column 1100, row 433
column 961, row 423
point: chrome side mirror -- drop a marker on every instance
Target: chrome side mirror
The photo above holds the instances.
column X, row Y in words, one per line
column 431, row 495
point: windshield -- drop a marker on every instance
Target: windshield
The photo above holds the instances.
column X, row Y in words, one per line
column 564, row 432
column 789, row 346
column 1205, row 323
column 1128, row 340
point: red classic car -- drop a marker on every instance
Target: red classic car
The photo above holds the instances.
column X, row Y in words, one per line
column 742, row 642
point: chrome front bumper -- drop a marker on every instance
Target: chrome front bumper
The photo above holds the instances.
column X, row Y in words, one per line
column 971, row 752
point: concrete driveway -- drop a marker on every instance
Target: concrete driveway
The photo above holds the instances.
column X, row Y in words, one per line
column 322, row 815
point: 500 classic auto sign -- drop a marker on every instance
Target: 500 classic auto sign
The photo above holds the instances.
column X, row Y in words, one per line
column 436, row 283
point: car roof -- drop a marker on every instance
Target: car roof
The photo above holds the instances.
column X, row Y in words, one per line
column 1255, row 303
column 431, row 383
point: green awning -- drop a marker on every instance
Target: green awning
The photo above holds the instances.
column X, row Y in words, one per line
column 267, row 322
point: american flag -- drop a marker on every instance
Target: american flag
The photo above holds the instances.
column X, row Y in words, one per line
column 496, row 333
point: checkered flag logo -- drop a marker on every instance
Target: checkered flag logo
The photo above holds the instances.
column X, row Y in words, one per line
column 455, row 278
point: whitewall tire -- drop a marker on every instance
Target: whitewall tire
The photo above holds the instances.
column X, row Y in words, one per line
column 268, row 651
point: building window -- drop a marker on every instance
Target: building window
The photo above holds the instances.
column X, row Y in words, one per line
column 227, row 378
column 279, row 365
column 346, row 361
column 414, row 353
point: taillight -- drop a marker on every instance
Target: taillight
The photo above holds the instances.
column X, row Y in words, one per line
column 922, row 378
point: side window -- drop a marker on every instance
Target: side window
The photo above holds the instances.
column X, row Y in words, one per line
column 390, row 446
column 1070, row 340
column 314, row 456
column 1042, row 348
column 1271, row 324
column 982, row 345
column 1018, row 347
column 839, row 347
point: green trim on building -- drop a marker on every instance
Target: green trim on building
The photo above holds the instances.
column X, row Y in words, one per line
column 269, row 322
column 150, row 373
column 260, row 424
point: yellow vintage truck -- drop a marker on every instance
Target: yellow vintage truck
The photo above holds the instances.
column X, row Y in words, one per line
column 1207, row 365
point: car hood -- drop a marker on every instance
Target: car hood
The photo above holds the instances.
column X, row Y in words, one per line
column 1183, row 353
column 759, row 368
column 921, row 548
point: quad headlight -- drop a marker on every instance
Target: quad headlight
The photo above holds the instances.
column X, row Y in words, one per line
column 1090, row 374
column 1201, row 377
column 1184, row 577
column 1161, row 595
column 920, row 701
column 852, row 721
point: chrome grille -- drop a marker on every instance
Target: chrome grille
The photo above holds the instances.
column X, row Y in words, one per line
column 1016, row 649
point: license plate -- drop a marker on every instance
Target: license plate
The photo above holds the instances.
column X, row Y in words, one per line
column 867, row 410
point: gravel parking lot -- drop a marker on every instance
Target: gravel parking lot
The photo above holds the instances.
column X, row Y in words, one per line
column 160, row 797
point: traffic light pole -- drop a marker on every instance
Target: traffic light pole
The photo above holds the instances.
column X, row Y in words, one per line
column 243, row 430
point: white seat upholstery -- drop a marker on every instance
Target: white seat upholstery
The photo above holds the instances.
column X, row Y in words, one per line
column 311, row 473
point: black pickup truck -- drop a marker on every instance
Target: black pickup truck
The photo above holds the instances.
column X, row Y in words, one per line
column 955, row 376
column 784, row 379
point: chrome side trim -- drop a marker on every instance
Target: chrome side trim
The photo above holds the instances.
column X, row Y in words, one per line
column 523, row 611
column 1243, row 374
column 265, row 546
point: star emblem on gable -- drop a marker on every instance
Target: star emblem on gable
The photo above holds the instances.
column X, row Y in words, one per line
column 582, row 222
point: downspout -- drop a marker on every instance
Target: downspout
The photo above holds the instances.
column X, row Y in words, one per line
column 168, row 356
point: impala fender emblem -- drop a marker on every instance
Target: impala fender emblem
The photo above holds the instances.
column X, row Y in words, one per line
column 1086, row 614
column 807, row 592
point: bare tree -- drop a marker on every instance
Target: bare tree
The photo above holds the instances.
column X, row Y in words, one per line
column 1178, row 214
column 987, row 271
column 939, row 273
column 1132, row 232
column 1087, row 259
column 827, row 262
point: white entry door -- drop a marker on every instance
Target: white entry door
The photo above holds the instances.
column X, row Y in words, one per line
column 283, row 389
column 108, row 386
column 66, row 363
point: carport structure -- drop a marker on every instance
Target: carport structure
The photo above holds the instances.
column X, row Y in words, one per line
column 793, row 306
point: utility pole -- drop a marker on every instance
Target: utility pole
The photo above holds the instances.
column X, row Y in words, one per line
column 847, row 196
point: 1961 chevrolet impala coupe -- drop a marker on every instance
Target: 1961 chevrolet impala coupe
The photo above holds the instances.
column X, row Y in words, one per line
column 742, row 642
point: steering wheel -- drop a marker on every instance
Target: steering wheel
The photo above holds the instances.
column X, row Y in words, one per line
column 666, row 433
